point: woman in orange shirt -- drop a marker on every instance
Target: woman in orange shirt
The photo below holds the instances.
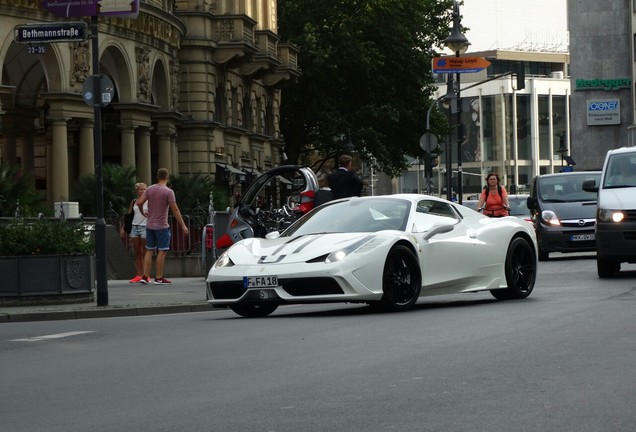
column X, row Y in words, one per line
column 493, row 200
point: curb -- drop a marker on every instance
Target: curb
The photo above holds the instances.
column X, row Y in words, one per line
column 106, row 312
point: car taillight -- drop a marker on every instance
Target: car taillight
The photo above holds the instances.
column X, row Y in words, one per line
column 225, row 241
column 306, row 201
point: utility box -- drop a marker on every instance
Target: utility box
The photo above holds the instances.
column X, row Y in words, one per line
column 69, row 208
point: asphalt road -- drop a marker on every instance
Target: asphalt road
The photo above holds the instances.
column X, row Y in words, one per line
column 561, row 360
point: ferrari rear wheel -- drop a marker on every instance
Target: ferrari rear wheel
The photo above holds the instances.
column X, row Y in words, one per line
column 401, row 280
column 258, row 310
column 521, row 271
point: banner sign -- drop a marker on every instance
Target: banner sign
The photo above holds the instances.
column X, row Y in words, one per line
column 603, row 112
column 89, row 8
column 450, row 64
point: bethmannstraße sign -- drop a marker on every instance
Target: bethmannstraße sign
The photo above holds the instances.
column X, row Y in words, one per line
column 51, row 32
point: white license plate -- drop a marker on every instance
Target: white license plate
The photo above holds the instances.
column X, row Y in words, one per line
column 260, row 281
column 582, row 237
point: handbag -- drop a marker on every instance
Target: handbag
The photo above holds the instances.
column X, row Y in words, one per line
column 128, row 219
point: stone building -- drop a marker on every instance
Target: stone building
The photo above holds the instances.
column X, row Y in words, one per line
column 602, row 78
column 196, row 90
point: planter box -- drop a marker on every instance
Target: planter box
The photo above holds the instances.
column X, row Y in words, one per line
column 46, row 275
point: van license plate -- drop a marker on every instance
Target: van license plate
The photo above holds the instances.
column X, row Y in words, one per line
column 582, row 237
column 260, row 281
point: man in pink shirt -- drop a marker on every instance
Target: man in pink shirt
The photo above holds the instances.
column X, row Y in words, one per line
column 160, row 198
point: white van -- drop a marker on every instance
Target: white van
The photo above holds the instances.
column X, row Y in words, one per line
column 616, row 211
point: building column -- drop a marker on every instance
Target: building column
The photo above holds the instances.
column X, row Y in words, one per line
column 165, row 154
column 59, row 162
column 142, row 145
column 86, row 148
column 175, row 154
column 127, row 146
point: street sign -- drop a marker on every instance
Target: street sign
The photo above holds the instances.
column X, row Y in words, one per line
column 51, row 32
column 107, row 90
column 428, row 142
column 86, row 8
column 450, row 64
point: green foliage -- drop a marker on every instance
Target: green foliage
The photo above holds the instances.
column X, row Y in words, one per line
column 17, row 187
column 44, row 237
column 366, row 67
column 119, row 189
column 194, row 190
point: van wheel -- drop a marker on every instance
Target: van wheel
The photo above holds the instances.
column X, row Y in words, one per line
column 543, row 255
column 607, row 268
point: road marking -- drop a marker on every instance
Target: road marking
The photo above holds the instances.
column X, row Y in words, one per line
column 53, row 336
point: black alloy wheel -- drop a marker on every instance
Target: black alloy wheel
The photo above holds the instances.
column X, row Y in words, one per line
column 520, row 270
column 401, row 280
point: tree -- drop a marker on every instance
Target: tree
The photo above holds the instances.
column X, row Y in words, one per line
column 366, row 69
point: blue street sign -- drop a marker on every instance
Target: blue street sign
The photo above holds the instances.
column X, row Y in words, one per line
column 51, row 32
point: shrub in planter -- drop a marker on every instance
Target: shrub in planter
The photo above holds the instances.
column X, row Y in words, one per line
column 45, row 257
column 44, row 237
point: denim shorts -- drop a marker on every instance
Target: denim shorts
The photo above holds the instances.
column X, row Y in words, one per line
column 138, row 231
column 158, row 239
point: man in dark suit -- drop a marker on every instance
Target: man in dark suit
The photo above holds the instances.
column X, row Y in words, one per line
column 344, row 182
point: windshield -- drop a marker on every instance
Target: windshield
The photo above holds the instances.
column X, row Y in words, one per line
column 353, row 215
column 620, row 171
column 566, row 188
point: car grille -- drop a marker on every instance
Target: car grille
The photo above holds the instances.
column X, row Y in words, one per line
column 630, row 215
column 294, row 287
column 574, row 223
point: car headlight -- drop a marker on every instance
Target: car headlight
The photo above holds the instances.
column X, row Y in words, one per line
column 223, row 261
column 606, row 215
column 340, row 254
column 550, row 218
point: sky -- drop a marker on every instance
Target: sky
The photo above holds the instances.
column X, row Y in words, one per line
column 528, row 25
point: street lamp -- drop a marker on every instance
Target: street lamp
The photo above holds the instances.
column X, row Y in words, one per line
column 458, row 43
column 348, row 147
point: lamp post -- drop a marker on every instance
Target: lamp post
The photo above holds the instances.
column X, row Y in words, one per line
column 458, row 43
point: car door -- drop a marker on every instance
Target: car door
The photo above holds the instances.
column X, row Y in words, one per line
column 447, row 258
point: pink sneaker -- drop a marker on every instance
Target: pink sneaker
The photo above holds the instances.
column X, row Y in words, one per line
column 162, row 281
column 136, row 279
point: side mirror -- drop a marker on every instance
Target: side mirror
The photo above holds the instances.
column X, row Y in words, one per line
column 590, row 185
column 438, row 229
column 531, row 203
column 272, row 235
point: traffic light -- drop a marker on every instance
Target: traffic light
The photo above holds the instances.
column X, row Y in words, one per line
column 520, row 72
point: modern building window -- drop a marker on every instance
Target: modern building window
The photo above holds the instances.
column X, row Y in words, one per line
column 544, row 127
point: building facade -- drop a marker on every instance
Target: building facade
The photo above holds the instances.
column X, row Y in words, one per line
column 602, row 77
column 196, row 90
column 516, row 132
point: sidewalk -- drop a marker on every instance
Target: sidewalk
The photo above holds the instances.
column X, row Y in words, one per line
column 124, row 299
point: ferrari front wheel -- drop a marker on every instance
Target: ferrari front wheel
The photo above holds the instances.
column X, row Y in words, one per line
column 257, row 310
column 401, row 280
column 520, row 269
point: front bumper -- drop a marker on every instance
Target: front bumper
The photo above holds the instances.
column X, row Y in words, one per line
column 566, row 238
column 616, row 241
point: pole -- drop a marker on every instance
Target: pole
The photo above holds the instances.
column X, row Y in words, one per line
column 449, row 151
column 100, row 224
column 459, row 138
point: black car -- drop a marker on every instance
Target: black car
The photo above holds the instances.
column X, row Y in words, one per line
column 563, row 213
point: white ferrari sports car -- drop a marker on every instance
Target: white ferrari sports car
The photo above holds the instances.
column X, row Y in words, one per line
column 386, row 251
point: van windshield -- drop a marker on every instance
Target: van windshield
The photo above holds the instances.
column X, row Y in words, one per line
column 566, row 188
column 620, row 171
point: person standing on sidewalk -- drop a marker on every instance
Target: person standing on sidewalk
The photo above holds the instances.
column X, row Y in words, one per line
column 160, row 198
column 344, row 182
column 138, row 232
